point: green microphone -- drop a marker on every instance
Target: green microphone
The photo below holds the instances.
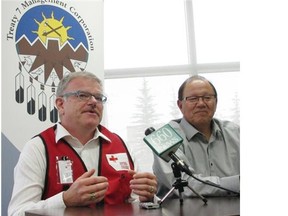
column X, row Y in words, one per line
column 164, row 142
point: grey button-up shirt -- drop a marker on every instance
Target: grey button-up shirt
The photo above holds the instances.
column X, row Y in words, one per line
column 216, row 160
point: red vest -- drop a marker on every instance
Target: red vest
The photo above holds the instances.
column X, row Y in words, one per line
column 118, row 190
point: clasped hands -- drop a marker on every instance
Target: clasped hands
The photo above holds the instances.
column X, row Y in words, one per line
column 89, row 189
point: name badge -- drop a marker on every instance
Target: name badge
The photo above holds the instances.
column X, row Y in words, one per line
column 64, row 169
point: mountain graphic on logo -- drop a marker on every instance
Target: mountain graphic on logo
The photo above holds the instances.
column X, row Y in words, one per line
column 49, row 62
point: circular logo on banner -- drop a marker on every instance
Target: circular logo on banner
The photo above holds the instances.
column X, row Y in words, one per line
column 50, row 43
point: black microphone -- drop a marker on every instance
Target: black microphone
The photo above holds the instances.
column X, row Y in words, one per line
column 164, row 142
column 180, row 163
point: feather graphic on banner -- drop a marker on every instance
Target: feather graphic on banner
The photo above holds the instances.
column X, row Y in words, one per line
column 19, row 86
column 52, row 109
column 42, row 105
column 31, row 95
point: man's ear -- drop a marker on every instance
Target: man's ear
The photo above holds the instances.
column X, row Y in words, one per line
column 59, row 102
column 179, row 103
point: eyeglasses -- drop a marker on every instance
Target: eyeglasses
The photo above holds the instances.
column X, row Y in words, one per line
column 195, row 99
column 86, row 96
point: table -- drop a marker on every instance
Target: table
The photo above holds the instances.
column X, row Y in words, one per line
column 216, row 206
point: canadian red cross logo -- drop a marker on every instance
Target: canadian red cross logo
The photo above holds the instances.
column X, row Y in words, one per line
column 112, row 158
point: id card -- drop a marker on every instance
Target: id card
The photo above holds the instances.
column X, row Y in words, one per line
column 64, row 169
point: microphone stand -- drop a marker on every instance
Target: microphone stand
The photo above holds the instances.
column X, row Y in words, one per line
column 180, row 184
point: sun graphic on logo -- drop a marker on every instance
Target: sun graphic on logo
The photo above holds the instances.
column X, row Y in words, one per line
column 52, row 28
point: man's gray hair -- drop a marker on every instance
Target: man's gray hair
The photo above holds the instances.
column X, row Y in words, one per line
column 68, row 78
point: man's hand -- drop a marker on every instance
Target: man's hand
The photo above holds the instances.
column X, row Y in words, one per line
column 87, row 189
column 144, row 185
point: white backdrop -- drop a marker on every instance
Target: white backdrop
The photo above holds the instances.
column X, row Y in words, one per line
column 41, row 42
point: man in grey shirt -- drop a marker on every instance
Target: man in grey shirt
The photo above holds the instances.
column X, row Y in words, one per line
column 211, row 147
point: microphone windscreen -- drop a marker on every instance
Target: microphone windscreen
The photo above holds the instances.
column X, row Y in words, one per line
column 149, row 131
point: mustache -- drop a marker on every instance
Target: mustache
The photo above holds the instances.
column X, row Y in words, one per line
column 92, row 109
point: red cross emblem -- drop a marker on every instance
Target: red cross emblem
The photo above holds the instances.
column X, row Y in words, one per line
column 112, row 158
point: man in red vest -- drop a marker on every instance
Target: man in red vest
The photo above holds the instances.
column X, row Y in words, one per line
column 77, row 162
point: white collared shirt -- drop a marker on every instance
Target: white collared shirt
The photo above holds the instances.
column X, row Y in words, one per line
column 88, row 152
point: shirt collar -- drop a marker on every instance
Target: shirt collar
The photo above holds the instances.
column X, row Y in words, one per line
column 190, row 131
column 61, row 132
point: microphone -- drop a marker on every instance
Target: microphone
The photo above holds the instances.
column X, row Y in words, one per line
column 164, row 142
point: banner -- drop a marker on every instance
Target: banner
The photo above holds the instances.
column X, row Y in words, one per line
column 42, row 41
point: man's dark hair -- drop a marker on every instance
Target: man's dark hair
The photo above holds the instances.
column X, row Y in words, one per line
column 190, row 79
